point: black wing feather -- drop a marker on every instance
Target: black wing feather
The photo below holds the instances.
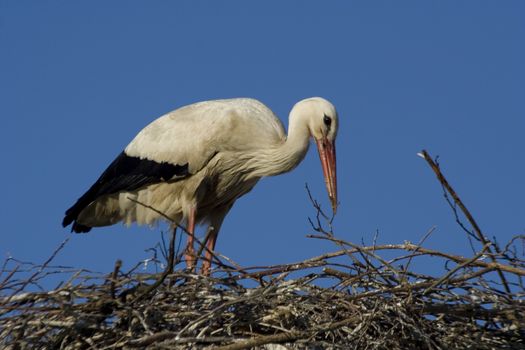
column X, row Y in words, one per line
column 125, row 173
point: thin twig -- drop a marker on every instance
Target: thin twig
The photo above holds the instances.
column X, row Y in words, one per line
column 457, row 268
column 42, row 267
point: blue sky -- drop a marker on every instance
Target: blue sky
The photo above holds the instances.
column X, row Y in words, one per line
column 79, row 79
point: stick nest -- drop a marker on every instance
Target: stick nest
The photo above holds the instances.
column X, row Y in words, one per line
column 368, row 303
column 352, row 298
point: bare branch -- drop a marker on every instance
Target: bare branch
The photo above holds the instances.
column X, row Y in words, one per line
column 466, row 212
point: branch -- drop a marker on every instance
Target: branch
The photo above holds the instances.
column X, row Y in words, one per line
column 435, row 167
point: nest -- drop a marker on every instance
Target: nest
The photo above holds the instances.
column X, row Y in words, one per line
column 353, row 297
column 371, row 303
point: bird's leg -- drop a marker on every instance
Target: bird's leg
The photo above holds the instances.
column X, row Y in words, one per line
column 213, row 232
column 190, row 250
column 210, row 246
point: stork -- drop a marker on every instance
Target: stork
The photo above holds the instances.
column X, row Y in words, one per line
column 191, row 165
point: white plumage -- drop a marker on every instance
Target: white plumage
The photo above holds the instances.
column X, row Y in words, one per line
column 193, row 163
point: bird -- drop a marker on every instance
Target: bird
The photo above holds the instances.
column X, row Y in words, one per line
column 190, row 165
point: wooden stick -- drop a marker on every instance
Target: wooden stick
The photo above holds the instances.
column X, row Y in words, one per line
column 466, row 212
column 320, row 260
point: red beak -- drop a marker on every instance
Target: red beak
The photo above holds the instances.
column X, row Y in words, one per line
column 327, row 154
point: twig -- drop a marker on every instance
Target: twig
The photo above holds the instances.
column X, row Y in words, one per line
column 320, row 260
column 457, row 268
column 465, row 211
column 114, row 276
column 168, row 270
column 42, row 267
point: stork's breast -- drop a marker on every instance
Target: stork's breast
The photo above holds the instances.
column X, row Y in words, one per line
column 225, row 180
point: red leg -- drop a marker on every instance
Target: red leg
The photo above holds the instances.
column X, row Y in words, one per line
column 210, row 245
column 190, row 250
column 215, row 226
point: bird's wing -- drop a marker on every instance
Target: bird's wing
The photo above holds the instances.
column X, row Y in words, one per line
column 125, row 173
column 179, row 144
column 193, row 134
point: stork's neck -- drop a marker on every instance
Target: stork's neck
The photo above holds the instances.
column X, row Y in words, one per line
column 283, row 157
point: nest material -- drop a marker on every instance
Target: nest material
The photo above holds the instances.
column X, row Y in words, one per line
column 353, row 298
column 370, row 303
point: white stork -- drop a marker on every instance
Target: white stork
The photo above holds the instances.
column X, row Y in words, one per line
column 193, row 163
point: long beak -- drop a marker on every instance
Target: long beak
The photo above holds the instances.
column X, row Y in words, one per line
column 327, row 155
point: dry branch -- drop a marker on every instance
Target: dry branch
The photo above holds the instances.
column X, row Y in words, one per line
column 457, row 201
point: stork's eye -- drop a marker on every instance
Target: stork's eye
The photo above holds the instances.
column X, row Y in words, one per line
column 327, row 120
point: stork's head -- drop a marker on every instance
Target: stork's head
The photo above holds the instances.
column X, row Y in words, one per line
column 322, row 123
